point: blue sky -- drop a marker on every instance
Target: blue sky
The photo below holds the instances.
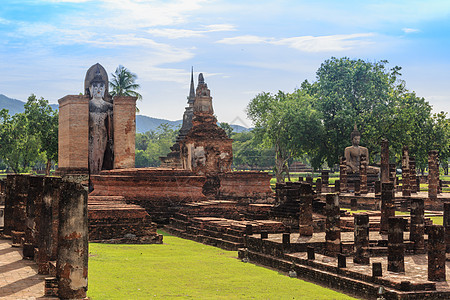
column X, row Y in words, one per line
column 242, row 47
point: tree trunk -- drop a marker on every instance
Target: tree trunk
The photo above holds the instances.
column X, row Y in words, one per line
column 47, row 167
column 279, row 164
column 286, row 168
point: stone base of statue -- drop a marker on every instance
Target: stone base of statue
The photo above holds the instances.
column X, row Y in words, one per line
column 352, row 177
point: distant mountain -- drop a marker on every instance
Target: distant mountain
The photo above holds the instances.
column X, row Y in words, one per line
column 15, row 106
column 143, row 123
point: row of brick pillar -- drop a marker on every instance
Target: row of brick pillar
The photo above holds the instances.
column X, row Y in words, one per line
column 48, row 218
column 438, row 237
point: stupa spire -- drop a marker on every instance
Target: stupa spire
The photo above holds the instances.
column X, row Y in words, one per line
column 191, row 98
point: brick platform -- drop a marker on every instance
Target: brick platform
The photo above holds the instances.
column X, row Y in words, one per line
column 355, row 278
column 112, row 220
column 160, row 191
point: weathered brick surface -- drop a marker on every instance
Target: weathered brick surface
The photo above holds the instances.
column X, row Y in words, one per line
column 332, row 227
column 305, row 217
column 387, row 205
column 417, row 228
column 112, row 220
column 124, row 131
column 433, row 174
column 361, row 239
column 159, row 191
column 446, row 223
column 73, row 133
column 72, row 254
column 396, row 247
column 436, row 253
column 48, row 224
column 251, row 185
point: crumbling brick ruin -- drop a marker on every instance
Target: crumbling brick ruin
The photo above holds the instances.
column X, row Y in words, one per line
column 47, row 217
column 195, row 194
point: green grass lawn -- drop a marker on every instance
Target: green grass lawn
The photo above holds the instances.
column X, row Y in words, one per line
column 187, row 270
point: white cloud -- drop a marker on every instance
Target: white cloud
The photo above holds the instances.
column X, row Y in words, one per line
column 339, row 42
column 410, row 30
column 327, row 43
column 4, row 21
column 220, row 27
column 173, row 33
column 133, row 14
column 245, row 40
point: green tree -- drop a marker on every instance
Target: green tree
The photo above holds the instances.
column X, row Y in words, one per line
column 43, row 124
column 373, row 97
column 349, row 92
column 248, row 153
column 152, row 145
column 286, row 122
column 18, row 148
column 123, row 83
column 227, row 127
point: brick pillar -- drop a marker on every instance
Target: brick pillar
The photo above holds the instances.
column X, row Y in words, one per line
column 72, row 262
column 433, row 174
column 318, row 185
column 361, row 225
column 332, row 225
column 354, row 204
column 384, row 161
column 387, row 205
column 396, row 247
column 343, row 175
column 10, row 191
column 406, row 189
column 412, row 175
column 279, row 192
column 436, row 253
column 392, row 174
column 417, row 228
column 124, row 111
column 309, row 180
column 305, row 219
column 34, row 202
column 73, row 134
column 337, row 186
column 363, row 175
column 446, row 224
column 16, row 203
column 357, row 187
column 325, row 177
column 47, row 227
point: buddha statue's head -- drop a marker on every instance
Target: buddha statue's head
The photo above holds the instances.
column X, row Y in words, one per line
column 355, row 136
column 97, row 86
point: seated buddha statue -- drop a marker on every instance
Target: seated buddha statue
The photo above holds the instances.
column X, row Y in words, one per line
column 354, row 153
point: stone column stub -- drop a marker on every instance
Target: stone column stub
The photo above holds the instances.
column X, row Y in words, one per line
column 72, row 258
column 384, row 161
column 361, row 224
column 332, row 225
column 396, row 246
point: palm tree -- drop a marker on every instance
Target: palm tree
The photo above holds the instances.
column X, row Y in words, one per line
column 123, row 83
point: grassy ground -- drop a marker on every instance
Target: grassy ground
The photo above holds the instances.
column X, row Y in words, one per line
column 188, row 270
